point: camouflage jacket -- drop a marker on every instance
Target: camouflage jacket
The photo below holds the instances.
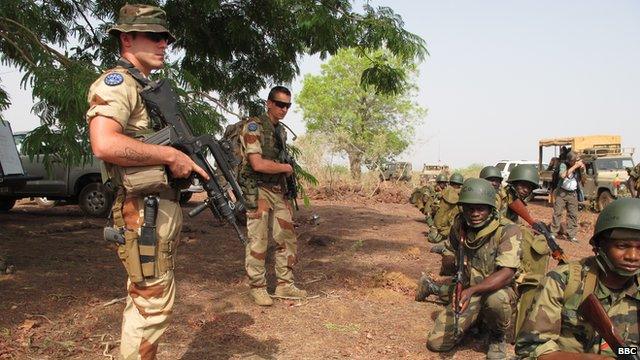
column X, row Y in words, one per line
column 447, row 210
column 553, row 323
column 502, row 201
column 495, row 246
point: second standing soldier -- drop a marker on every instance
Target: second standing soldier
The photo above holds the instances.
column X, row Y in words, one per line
column 262, row 179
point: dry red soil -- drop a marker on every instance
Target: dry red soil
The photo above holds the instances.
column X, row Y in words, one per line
column 360, row 263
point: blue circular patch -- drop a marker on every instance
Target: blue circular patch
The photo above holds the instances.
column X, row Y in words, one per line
column 252, row 126
column 114, row 79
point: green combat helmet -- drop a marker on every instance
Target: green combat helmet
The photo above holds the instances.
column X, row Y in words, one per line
column 526, row 173
column 489, row 172
column 441, row 178
column 620, row 214
column 477, row 191
column 456, row 178
column 141, row 18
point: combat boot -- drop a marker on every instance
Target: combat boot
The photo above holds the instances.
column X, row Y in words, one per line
column 497, row 346
column 261, row 297
column 426, row 287
column 290, row 291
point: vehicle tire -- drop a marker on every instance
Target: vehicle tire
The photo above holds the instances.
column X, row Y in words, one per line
column 46, row 203
column 605, row 198
column 185, row 196
column 6, row 204
column 95, row 200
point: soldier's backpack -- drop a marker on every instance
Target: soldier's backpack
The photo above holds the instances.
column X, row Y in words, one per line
column 232, row 135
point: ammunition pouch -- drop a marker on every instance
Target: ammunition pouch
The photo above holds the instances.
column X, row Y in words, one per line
column 142, row 180
column 249, row 187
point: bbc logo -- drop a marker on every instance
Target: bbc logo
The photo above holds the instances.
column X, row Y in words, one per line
column 627, row 350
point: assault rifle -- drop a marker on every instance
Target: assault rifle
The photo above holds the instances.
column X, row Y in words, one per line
column 520, row 209
column 162, row 103
column 459, row 278
column 592, row 311
column 291, row 181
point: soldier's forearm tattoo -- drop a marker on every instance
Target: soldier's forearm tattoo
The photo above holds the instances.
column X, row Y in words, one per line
column 130, row 154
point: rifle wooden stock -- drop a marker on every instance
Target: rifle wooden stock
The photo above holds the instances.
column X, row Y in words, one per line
column 592, row 311
column 518, row 207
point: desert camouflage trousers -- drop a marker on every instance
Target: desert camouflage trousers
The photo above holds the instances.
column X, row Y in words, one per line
column 496, row 308
column 274, row 213
column 149, row 303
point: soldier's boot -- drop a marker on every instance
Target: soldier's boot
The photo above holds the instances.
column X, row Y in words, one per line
column 426, row 287
column 290, row 291
column 438, row 249
column 261, row 297
column 497, row 346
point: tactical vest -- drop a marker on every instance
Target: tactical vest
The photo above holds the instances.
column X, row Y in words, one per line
column 271, row 142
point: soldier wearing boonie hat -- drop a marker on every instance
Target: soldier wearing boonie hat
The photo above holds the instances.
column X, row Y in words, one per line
column 116, row 109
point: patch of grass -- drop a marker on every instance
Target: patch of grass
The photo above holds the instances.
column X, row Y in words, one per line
column 342, row 328
column 357, row 245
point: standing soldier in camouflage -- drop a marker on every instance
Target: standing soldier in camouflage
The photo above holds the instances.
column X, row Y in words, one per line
column 262, row 178
column 491, row 258
column 553, row 329
column 567, row 195
column 117, row 116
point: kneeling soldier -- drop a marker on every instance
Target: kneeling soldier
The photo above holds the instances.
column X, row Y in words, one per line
column 555, row 328
column 490, row 256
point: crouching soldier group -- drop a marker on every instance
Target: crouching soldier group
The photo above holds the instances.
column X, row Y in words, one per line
column 502, row 272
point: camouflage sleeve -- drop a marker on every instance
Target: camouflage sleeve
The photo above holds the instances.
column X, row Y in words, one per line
column 250, row 138
column 113, row 95
column 509, row 249
column 542, row 327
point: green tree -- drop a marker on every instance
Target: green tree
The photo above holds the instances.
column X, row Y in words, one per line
column 367, row 125
column 227, row 51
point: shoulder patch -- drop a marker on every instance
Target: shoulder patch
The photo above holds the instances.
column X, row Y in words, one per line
column 252, row 126
column 114, row 79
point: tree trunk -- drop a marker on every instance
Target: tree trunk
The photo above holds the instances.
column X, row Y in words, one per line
column 355, row 164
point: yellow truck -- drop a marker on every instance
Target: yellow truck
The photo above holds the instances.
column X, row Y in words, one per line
column 605, row 160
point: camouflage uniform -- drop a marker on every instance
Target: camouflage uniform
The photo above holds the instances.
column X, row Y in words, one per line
column 498, row 247
column 431, row 204
column 553, row 323
column 447, row 210
column 266, row 204
column 634, row 173
column 149, row 303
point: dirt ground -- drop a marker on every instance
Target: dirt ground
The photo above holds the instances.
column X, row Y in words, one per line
column 360, row 262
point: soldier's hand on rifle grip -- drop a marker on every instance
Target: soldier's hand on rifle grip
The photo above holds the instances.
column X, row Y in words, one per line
column 465, row 298
column 287, row 169
column 181, row 165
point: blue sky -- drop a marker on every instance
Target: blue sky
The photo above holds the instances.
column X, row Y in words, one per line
column 501, row 75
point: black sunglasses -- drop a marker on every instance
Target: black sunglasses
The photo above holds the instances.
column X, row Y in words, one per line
column 156, row 37
column 281, row 104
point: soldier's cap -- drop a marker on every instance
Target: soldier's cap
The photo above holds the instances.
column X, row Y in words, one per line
column 141, row 18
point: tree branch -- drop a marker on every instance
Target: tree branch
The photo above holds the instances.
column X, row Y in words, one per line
column 217, row 102
column 24, row 55
column 95, row 37
column 63, row 59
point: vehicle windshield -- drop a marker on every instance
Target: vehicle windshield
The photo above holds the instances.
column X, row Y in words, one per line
column 500, row 166
column 614, row 164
